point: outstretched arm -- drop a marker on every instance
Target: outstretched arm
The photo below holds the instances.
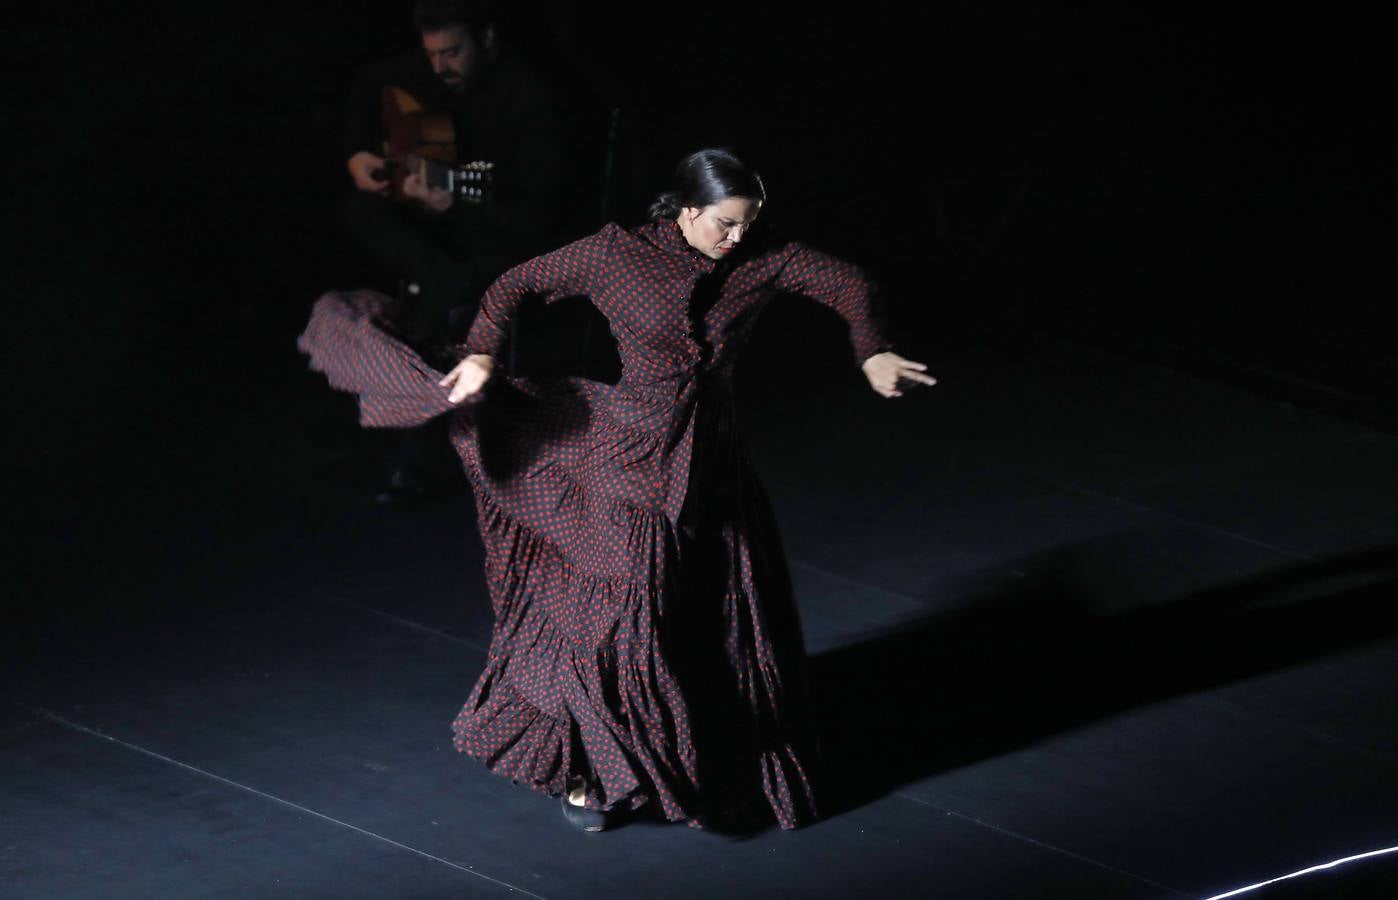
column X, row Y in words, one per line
column 846, row 289
column 564, row 272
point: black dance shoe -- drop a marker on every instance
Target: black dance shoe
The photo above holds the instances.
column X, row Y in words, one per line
column 583, row 818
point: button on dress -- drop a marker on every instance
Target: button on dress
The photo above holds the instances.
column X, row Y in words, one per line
column 645, row 638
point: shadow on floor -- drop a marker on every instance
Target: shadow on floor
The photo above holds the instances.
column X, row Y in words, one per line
column 1032, row 660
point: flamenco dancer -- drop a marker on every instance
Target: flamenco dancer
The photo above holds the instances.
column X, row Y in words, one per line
column 646, row 646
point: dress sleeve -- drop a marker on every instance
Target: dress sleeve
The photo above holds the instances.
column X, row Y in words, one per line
column 842, row 287
column 565, row 272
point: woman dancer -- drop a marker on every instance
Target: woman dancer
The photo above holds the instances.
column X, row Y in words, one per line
column 646, row 645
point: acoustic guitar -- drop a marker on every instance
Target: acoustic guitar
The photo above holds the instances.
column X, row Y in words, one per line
column 419, row 139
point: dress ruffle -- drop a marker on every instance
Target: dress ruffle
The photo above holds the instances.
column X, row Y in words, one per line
column 628, row 649
column 395, row 387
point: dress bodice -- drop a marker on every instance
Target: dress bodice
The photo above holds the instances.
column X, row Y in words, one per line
column 677, row 315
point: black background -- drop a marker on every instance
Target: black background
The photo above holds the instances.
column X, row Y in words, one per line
column 1202, row 187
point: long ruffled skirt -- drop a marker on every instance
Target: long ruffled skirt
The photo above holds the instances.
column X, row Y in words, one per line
column 648, row 658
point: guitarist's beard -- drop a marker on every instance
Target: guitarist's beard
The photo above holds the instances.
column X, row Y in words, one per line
column 456, row 84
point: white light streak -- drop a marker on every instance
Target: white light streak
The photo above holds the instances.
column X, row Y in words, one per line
column 1329, row 865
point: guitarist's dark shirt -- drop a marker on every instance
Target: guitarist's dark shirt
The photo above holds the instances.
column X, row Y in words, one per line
column 511, row 117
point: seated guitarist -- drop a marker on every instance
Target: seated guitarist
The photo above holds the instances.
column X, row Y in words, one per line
column 503, row 112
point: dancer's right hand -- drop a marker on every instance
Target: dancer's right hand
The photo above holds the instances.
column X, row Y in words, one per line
column 469, row 376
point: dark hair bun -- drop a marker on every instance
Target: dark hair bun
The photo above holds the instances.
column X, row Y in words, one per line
column 666, row 205
column 706, row 177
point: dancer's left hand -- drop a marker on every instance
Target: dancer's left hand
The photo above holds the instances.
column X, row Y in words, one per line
column 886, row 370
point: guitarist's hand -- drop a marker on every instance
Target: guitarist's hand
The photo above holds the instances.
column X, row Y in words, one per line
column 435, row 199
column 363, row 166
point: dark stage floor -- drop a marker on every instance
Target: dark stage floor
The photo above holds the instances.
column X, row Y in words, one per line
column 1137, row 629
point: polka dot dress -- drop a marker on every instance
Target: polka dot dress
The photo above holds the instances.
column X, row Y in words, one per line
column 646, row 639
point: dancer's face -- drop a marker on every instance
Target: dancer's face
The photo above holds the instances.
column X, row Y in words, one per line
column 717, row 229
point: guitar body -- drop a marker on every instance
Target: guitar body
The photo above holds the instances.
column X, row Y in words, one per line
column 416, row 138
